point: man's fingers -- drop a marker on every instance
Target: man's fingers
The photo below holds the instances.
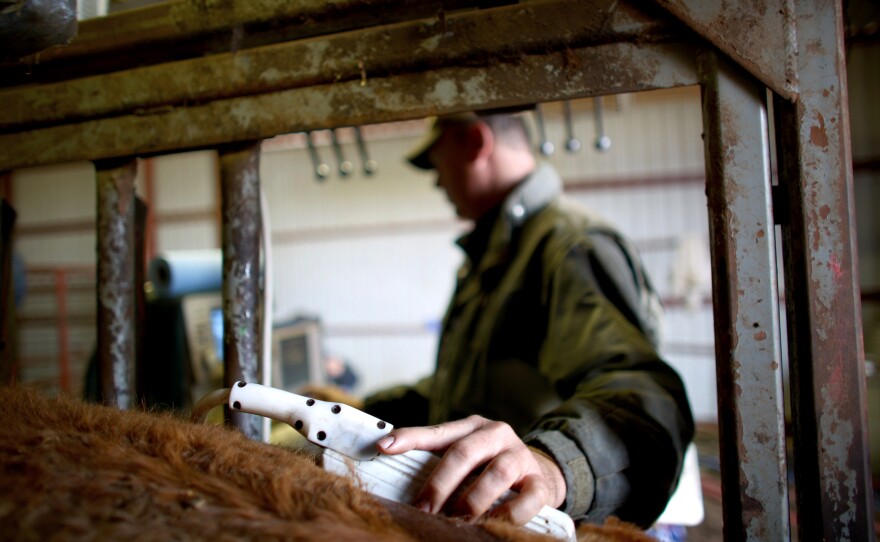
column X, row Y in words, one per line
column 454, row 468
column 523, row 506
column 471, row 444
column 501, row 473
column 433, row 438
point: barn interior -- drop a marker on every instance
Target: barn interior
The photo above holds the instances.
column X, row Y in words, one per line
column 155, row 149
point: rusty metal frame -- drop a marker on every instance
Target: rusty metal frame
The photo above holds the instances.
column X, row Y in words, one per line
column 407, row 70
column 395, row 66
column 745, row 301
column 240, row 203
column 826, row 350
column 178, row 29
column 116, row 281
column 470, row 38
column 761, row 37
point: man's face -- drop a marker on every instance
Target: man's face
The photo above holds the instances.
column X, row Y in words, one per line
column 455, row 173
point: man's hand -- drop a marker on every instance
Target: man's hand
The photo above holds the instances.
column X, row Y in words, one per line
column 507, row 462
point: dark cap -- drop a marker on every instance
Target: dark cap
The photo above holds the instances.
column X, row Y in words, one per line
column 419, row 155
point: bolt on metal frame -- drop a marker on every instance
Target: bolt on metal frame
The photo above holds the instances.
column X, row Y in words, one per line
column 409, row 64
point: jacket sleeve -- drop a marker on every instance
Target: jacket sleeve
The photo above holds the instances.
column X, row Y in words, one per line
column 623, row 427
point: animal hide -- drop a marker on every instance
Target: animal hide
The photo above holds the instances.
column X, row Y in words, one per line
column 76, row 471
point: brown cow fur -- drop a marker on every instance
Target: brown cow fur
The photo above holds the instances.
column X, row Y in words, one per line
column 73, row 471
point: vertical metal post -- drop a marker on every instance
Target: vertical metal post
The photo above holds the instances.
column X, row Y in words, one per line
column 745, row 300
column 831, row 460
column 240, row 181
column 115, row 288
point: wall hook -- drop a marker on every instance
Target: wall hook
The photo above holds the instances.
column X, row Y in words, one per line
column 572, row 144
column 370, row 166
column 603, row 142
column 321, row 169
column 345, row 166
column 545, row 146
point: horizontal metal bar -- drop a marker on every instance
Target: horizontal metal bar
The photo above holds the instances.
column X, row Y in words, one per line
column 191, row 28
column 573, row 73
column 466, row 39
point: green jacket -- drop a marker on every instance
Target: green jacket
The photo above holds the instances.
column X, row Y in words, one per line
column 550, row 329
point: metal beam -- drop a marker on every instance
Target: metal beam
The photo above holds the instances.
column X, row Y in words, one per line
column 240, row 186
column 613, row 68
column 116, row 281
column 472, row 38
column 759, row 36
column 179, row 29
column 746, row 310
column 833, row 475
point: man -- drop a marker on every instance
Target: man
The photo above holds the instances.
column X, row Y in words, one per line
column 547, row 379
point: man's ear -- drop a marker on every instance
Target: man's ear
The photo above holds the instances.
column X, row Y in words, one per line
column 480, row 141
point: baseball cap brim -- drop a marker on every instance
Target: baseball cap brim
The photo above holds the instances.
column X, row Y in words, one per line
column 419, row 156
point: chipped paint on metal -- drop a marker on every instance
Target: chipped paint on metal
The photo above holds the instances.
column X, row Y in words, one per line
column 271, row 76
column 186, row 20
column 243, row 114
column 115, row 288
column 239, row 292
column 241, row 259
column 521, row 81
column 475, row 89
column 841, row 482
column 745, row 307
column 496, row 34
column 431, row 43
column 832, row 472
column 818, row 136
column 444, row 93
column 759, row 35
column 317, row 56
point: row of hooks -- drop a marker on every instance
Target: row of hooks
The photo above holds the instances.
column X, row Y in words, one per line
column 572, row 143
column 345, row 167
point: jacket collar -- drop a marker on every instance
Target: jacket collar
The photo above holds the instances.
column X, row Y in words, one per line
column 534, row 193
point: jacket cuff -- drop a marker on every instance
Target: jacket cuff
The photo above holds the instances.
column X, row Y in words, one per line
column 580, row 485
